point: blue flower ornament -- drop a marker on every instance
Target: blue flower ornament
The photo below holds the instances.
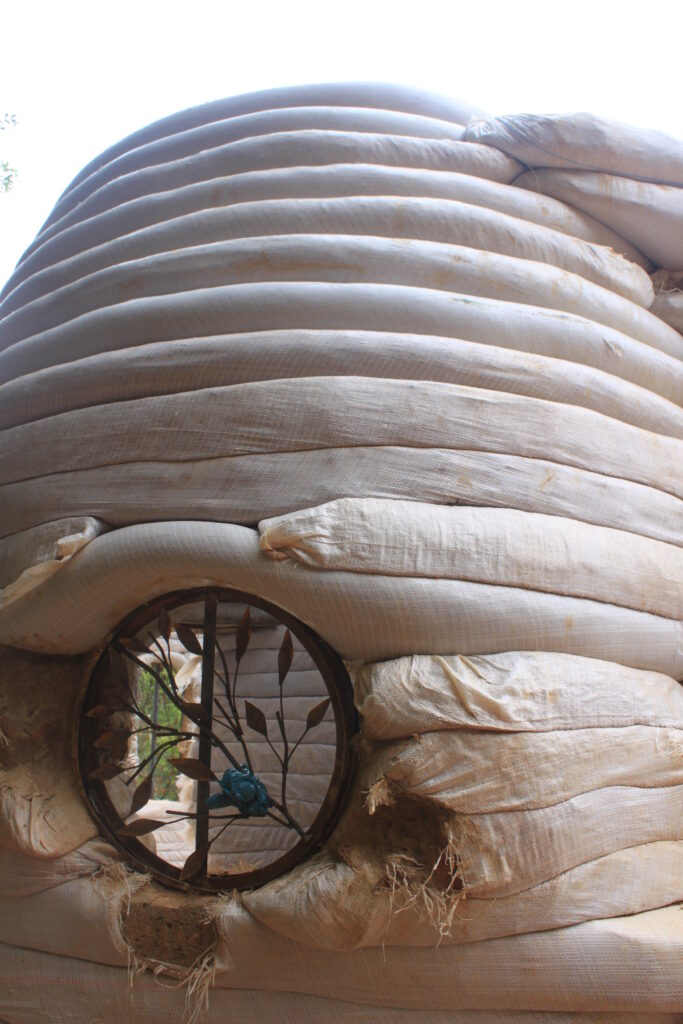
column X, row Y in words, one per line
column 242, row 789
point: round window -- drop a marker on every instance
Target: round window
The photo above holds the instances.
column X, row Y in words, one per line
column 215, row 740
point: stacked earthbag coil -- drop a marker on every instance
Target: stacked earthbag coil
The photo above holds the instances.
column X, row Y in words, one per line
column 629, row 179
column 409, row 381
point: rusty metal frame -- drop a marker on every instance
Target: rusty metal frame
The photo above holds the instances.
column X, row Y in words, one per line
column 339, row 691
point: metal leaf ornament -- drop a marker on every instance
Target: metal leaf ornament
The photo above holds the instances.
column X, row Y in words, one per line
column 242, row 789
column 143, row 726
column 285, row 657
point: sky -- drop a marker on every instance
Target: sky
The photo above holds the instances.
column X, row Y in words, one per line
column 79, row 76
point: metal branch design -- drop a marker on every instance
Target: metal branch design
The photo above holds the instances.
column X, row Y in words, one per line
column 239, row 788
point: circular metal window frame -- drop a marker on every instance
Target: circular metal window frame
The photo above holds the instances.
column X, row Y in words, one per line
column 90, row 757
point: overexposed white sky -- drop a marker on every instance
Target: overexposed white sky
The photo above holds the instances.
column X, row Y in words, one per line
column 81, row 75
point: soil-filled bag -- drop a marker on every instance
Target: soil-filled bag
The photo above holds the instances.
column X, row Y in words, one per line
column 291, row 149
column 650, row 216
column 24, row 874
column 635, row 964
column 516, row 691
column 333, row 180
column 31, row 556
column 362, row 616
column 42, row 812
column 248, row 126
column 505, row 852
column 498, row 546
column 88, row 988
column 476, row 773
column 330, row 412
column 427, row 219
column 669, row 307
column 346, row 259
column 331, row 306
column 330, row 905
column 245, row 488
column 372, row 95
column 164, row 368
column 584, row 142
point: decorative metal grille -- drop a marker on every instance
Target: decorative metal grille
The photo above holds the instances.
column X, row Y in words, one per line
column 215, row 740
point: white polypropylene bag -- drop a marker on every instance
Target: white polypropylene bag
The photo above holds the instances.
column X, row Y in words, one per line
column 345, row 259
column 324, row 306
column 290, row 149
column 244, row 489
column 630, row 963
column 326, row 412
column 305, row 183
column 650, row 216
column 23, row 874
column 75, row 919
column 669, row 307
column 506, row 852
column 476, row 772
column 362, row 617
column 500, row 546
column 407, row 217
column 327, row 904
column 42, row 811
column 190, row 365
column 30, row 557
column 86, row 989
column 584, row 142
column 517, row 691
column 372, row 95
column 186, row 143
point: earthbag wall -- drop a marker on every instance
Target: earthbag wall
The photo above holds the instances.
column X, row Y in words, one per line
column 408, row 324
column 361, row 615
column 88, row 988
column 628, row 178
column 336, row 179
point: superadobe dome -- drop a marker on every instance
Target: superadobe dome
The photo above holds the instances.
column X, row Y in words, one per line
column 334, row 410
